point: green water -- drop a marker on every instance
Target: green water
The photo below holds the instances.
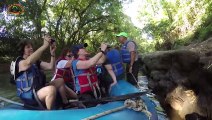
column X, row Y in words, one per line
column 8, row 90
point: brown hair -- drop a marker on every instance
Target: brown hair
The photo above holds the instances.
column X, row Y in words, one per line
column 63, row 54
column 21, row 45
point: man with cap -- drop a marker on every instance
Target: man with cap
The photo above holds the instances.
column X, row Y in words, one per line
column 85, row 71
column 129, row 55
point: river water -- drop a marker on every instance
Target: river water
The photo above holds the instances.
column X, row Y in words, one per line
column 8, row 90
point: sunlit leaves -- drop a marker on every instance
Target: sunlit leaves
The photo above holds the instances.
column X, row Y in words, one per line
column 171, row 20
column 72, row 21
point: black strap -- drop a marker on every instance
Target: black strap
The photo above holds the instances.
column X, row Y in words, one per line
column 114, row 98
column 38, row 100
column 103, row 52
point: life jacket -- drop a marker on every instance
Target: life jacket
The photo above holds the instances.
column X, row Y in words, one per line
column 114, row 58
column 125, row 52
column 29, row 80
column 87, row 79
column 64, row 73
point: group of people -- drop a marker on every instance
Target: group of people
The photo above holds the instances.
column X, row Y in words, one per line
column 76, row 75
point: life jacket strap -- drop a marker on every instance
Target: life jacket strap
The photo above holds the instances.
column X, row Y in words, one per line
column 86, row 85
column 72, row 75
column 37, row 99
column 90, row 84
column 115, row 66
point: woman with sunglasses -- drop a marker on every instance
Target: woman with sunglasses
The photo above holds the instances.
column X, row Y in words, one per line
column 62, row 79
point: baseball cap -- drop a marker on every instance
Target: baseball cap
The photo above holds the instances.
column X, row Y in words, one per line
column 77, row 47
column 124, row 34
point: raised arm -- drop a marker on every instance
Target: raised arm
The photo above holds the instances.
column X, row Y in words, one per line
column 51, row 64
column 101, row 60
column 25, row 64
column 92, row 61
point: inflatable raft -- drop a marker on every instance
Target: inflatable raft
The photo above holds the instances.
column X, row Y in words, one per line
column 15, row 112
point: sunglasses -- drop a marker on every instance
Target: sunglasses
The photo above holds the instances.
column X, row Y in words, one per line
column 69, row 56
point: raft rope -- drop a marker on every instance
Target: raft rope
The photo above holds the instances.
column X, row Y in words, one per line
column 113, row 98
column 136, row 105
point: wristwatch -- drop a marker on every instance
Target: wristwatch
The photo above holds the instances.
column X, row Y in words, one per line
column 103, row 52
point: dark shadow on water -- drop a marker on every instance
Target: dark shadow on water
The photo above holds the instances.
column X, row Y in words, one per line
column 7, row 90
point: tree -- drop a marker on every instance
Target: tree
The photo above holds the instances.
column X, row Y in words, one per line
column 171, row 22
column 70, row 21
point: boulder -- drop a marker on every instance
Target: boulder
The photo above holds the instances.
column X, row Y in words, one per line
column 163, row 60
column 157, row 75
column 190, row 67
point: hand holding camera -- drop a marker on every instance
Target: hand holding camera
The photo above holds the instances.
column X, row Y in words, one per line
column 48, row 40
column 103, row 47
column 52, row 46
column 52, row 41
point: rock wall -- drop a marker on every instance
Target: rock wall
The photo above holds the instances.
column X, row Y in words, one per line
column 190, row 67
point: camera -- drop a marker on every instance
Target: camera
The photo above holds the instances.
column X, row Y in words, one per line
column 108, row 46
column 52, row 41
column 85, row 45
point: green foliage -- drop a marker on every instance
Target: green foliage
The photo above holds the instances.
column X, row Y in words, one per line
column 71, row 22
column 205, row 30
column 177, row 22
column 170, row 24
column 146, row 46
column 8, row 49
